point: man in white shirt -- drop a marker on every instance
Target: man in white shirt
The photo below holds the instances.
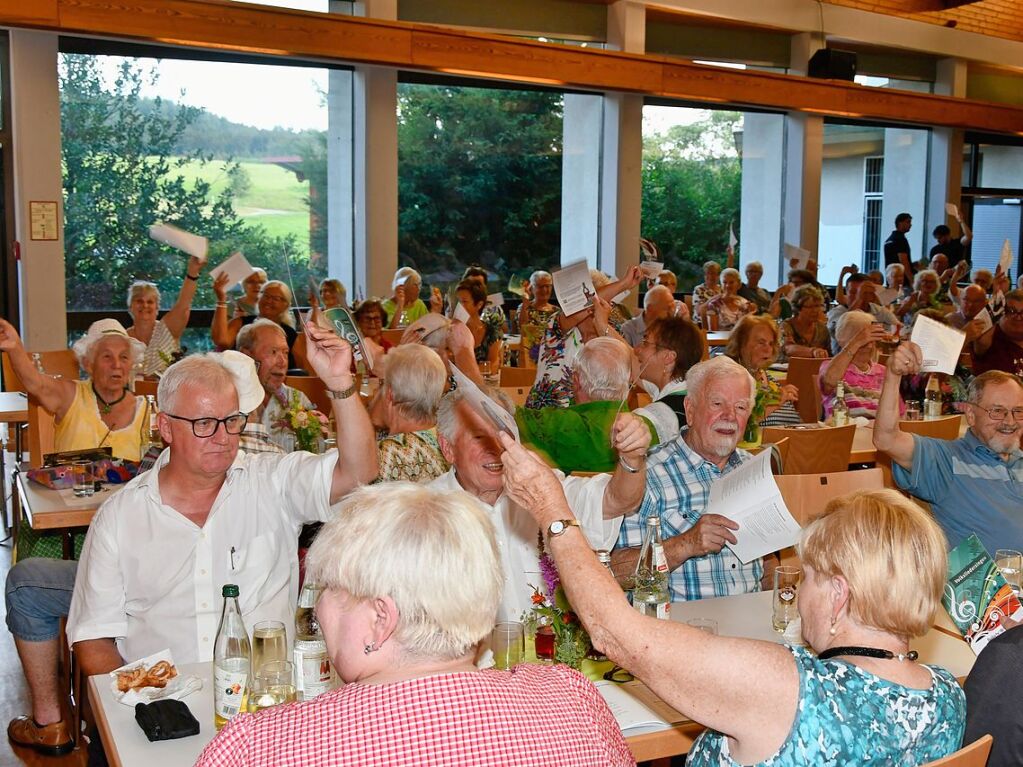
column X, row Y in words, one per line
column 469, row 444
column 158, row 553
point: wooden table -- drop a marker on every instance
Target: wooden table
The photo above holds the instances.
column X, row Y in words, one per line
column 14, row 413
column 717, row 337
column 45, row 509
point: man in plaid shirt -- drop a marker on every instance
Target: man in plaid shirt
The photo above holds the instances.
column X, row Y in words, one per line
column 678, row 479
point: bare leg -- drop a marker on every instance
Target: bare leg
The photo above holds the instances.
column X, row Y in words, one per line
column 39, row 662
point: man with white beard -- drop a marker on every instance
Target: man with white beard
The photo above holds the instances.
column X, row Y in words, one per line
column 975, row 483
column 678, row 478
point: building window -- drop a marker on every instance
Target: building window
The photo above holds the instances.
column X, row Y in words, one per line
column 873, row 189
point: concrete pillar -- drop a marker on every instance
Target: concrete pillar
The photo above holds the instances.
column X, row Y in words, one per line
column 946, row 160
column 804, row 151
column 905, row 185
column 35, row 132
column 362, row 169
column 580, row 177
column 763, row 154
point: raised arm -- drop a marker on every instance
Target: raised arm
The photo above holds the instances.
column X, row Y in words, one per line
column 630, row 437
column 54, row 394
column 631, row 279
column 331, row 360
column 176, row 319
column 223, row 332
column 840, row 362
column 713, row 685
column 888, row 437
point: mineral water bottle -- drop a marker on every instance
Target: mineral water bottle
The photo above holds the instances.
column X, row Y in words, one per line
column 231, row 656
column 154, row 423
column 932, row 398
column 312, row 664
column 650, row 594
column 840, row 410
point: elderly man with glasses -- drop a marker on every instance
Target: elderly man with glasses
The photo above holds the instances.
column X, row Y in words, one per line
column 1001, row 346
column 975, row 483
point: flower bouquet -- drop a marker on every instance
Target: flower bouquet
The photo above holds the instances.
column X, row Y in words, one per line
column 308, row 425
column 554, row 614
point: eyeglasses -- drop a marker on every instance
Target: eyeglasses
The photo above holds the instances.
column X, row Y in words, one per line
column 1010, row 312
column 998, row 413
column 370, row 319
column 275, row 299
column 648, row 342
column 207, row 427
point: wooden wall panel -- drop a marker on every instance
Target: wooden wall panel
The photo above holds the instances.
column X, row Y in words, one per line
column 29, row 12
column 997, row 18
column 314, row 36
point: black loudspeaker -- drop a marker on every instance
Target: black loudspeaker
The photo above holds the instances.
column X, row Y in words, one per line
column 832, row 64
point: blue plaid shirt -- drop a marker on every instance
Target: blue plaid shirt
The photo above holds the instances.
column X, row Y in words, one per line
column 678, row 484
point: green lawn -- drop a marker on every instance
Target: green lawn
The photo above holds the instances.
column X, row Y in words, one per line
column 271, row 188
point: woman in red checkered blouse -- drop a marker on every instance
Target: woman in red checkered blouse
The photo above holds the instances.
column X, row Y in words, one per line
column 412, row 580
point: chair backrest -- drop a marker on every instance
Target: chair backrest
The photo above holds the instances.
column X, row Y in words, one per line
column 314, row 389
column 801, row 373
column 146, row 388
column 517, row 376
column 806, row 495
column 780, row 451
column 517, row 394
column 939, row 428
column 41, row 433
column 393, row 335
column 61, row 362
column 814, row 451
column 973, row 755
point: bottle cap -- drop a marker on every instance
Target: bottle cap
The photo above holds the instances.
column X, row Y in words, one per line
column 230, row 590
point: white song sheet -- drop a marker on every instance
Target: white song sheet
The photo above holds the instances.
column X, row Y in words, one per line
column 940, row 345
column 573, row 287
column 651, row 269
column 192, row 244
column 500, row 418
column 750, row 497
column 236, row 266
column 798, row 258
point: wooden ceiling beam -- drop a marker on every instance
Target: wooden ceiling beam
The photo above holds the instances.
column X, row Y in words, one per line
column 334, row 38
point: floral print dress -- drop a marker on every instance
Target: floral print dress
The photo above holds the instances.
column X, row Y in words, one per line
column 558, row 352
column 847, row 716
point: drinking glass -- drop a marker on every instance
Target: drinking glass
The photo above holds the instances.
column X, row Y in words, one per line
column 81, row 471
column 704, row 624
column 509, row 643
column 786, row 588
column 269, row 643
column 1010, row 562
column 272, row 685
column 912, row 411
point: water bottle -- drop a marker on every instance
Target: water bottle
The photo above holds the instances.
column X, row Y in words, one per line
column 840, row 409
column 232, row 655
column 650, row 593
column 932, row 398
column 313, row 673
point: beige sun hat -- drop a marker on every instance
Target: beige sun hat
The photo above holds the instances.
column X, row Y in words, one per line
column 101, row 329
column 246, row 379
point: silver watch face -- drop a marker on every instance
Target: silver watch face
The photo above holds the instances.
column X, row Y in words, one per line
column 557, row 527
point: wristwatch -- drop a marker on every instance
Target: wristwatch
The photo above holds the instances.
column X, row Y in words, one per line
column 558, row 526
column 341, row 393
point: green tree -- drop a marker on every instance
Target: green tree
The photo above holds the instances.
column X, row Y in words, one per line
column 479, row 177
column 692, row 187
column 121, row 175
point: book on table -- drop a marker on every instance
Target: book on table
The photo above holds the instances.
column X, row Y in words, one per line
column 636, row 709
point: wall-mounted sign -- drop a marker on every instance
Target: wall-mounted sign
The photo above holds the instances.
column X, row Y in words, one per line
column 43, row 216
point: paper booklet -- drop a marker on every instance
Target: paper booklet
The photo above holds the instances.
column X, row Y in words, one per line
column 341, row 322
column 499, row 418
column 651, row 269
column 976, row 595
column 192, row 244
column 636, row 709
column 749, row 496
column 573, row 287
column 236, row 266
column 939, row 344
column 798, row 258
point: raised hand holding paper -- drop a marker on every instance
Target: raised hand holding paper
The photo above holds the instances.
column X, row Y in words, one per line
column 885, row 296
column 341, row 322
column 1005, row 261
column 651, row 269
column 732, row 239
column 798, row 258
column 939, row 344
column 573, row 287
column 192, row 244
column 496, row 299
column 501, row 419
column 952, row 210
column 236, row 266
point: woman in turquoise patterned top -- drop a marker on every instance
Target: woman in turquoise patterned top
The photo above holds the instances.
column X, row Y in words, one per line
column 873, row 573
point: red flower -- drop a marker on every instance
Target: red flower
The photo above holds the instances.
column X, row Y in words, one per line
column 568, row 618
column 537, row 598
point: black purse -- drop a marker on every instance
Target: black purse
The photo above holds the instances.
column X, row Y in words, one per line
column 166, row 720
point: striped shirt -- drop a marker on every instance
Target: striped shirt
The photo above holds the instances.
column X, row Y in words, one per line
column 678, row 484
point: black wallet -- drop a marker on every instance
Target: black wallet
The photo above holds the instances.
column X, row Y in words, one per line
column 166, row 720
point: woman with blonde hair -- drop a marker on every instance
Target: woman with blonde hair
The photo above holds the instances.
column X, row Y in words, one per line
column 412, row 581
column 874, row 569
column 274, row 304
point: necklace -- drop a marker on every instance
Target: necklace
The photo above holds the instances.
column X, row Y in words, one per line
column 106, row 407
column 867, row 652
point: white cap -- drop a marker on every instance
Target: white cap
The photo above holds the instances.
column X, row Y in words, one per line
column 246, row 379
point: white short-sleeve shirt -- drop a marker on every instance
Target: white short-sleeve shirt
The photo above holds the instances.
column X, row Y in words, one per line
column 152, row 579
column 517, row 534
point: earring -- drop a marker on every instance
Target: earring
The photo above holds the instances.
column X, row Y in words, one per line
column 370, row 648
column 832, row 629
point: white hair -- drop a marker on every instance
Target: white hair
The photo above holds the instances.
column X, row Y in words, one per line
column 285, row 317
column 925, row 273
column 433, row 552
column 703, row 374
column 247, row 336
column 755, row 266
column 654, row 291
column 733, row 272
column 603, row 368
column 140, row 287
column 447, row 412
column 416, row 377
column 849, row 324
column 410, row 273
column 205, row 369
column 538, row 275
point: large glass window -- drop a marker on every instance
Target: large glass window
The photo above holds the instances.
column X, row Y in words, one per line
column 869, row 175
column 705, row 171
column 479, row 182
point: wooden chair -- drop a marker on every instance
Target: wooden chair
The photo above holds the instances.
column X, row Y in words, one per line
column 517, row 394
column 780, row 450
column 940, row 428
column 41, row 433
column 314, row 389
column 973, row 755
column 517, row 377
column 61, row 362
column 146, row 388
column 814, row 451
column 801, row 373
column 393, row 335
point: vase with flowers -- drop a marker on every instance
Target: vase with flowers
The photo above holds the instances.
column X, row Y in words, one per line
column 307, row 424
column 552, row 614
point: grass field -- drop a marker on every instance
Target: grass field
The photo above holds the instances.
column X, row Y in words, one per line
column 274, row 199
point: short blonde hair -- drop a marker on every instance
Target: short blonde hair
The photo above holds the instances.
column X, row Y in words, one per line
column 417, row 378
column 141, row 287
column 891, row 553
column 433, row 552
column 849, row 324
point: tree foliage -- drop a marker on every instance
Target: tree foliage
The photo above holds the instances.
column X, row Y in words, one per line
column 121, row 175
column 479, row 178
